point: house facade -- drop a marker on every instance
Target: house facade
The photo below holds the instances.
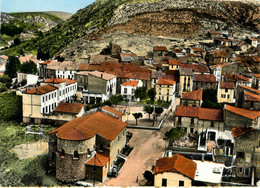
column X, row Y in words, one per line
column 226, row 92
column 165, row 90
column 128, row 89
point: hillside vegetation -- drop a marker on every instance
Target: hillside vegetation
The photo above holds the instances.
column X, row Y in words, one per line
column 92, row 21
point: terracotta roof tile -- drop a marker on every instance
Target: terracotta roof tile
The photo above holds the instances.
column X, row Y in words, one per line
column 250, row 89
column 193, row 55
column 4, row 57
column 98, row 160
column 113, row 111
column 87, row 126
column 28, row 58
column 132, row 83
column 219, row 65
column 159, row 48
column 65, row 65
column 177, row 163
column 256, row 58
column 187, row 111
column 193, row 95
column 235, row 78
column 204, row 78
column 251, row 97
column 220, row 53
column 197, row 49
column 73, row 108
column 163, row 81
column 47, row 62
column 102, row 75
column 227, row 85
column 41, row 90
column 255, row 39
column 176, row 50
column 211, row 114
column 201, row 113
column 174, row 62
column 59, row 80
column 257, row 76
column 251, row 114
column 196, row 67
column 186, row 71
column 238, row 131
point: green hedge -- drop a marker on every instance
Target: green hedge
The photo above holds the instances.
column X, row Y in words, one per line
column 10, row 107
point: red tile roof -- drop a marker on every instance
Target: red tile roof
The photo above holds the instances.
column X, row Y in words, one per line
column 102, row 75
column 113, row 111
column 251, row 114
column 193, row 55
column 122, row 55
column 250, row 88
column 46, row 62
column 256, row 59
column 251, row 97
column 193, row 95
column 41, row 90
column 220, row 53
column 174, row 62
column 197, row 49
column 257, row 76
column 132, row 83
column 163, row 81
column 4, row 57
column 98, row 160
column 211, row 114
column 196, row 67
column 187, row 111
column 238, row 131
column 59, row 80
column 87, row 126
column 255, row 39
column 204, row 78
column 235, row 78
column 73, row 108
column 227, row 85
column 176, row 50
column 159, row 48
column 201, row 113
column 177, row 163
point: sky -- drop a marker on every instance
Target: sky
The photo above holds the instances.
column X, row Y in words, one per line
column 70, row 6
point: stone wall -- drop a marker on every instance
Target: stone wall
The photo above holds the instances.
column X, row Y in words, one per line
column 96, row 84
column 186, row 102
column 204, row 85
column 235, row 120
column 117, row 145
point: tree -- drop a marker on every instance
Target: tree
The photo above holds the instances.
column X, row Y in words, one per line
column 6, row 80
column 158, row 111
column 29, row 67
column 137, row 116
column 210, row 99
column 43, row 54
column 140, row 92
column 17, row 41
column 151, row 94
column 13, row 66
column 174, row 134
column 116, row 99
column 149, row 109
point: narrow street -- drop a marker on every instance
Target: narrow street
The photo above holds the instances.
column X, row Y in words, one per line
column 148, row 146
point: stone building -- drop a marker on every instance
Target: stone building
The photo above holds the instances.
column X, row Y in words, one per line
column 241, row 117
column 86, row 147
column 256, row 81
column 196, row 119
column 175, row 171
column 186, row 80
column 158, row 53
column 217, row 56
column 237, row 79
column 82, row 80
column 246, row 145
column 115, row 50
column 174, row 64
column 101, row 86
column 247, row 97
column 128, row 58
column 226, row 92
column 205, row 81
column 193, row 98
column 196, row 68
column 165, row 90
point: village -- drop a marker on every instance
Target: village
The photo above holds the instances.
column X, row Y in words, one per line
column 180, row 116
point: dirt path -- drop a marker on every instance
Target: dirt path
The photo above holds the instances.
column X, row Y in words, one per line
column 25, row 151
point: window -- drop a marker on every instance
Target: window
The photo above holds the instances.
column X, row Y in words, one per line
column 164, row 182
column 75, row 155
column 212, row 124
column 179, row 121
column 241, row 155
column 125, row 90
column 191, row 130
column 49, row 97
column 181, row 183
column 62, row 153
column 228, row 96
column 192, row 121
column 226, row 90
column 42, row 99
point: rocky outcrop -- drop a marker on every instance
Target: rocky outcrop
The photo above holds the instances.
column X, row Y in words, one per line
column 47, row 24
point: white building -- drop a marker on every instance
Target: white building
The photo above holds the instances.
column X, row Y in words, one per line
column 31, row 79
column 101, row 86
column 128, row 89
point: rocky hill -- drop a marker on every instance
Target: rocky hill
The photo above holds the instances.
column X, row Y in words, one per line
column 91, row 28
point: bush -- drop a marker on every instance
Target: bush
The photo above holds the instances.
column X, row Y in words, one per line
column 10, row 107
column 174, row 134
